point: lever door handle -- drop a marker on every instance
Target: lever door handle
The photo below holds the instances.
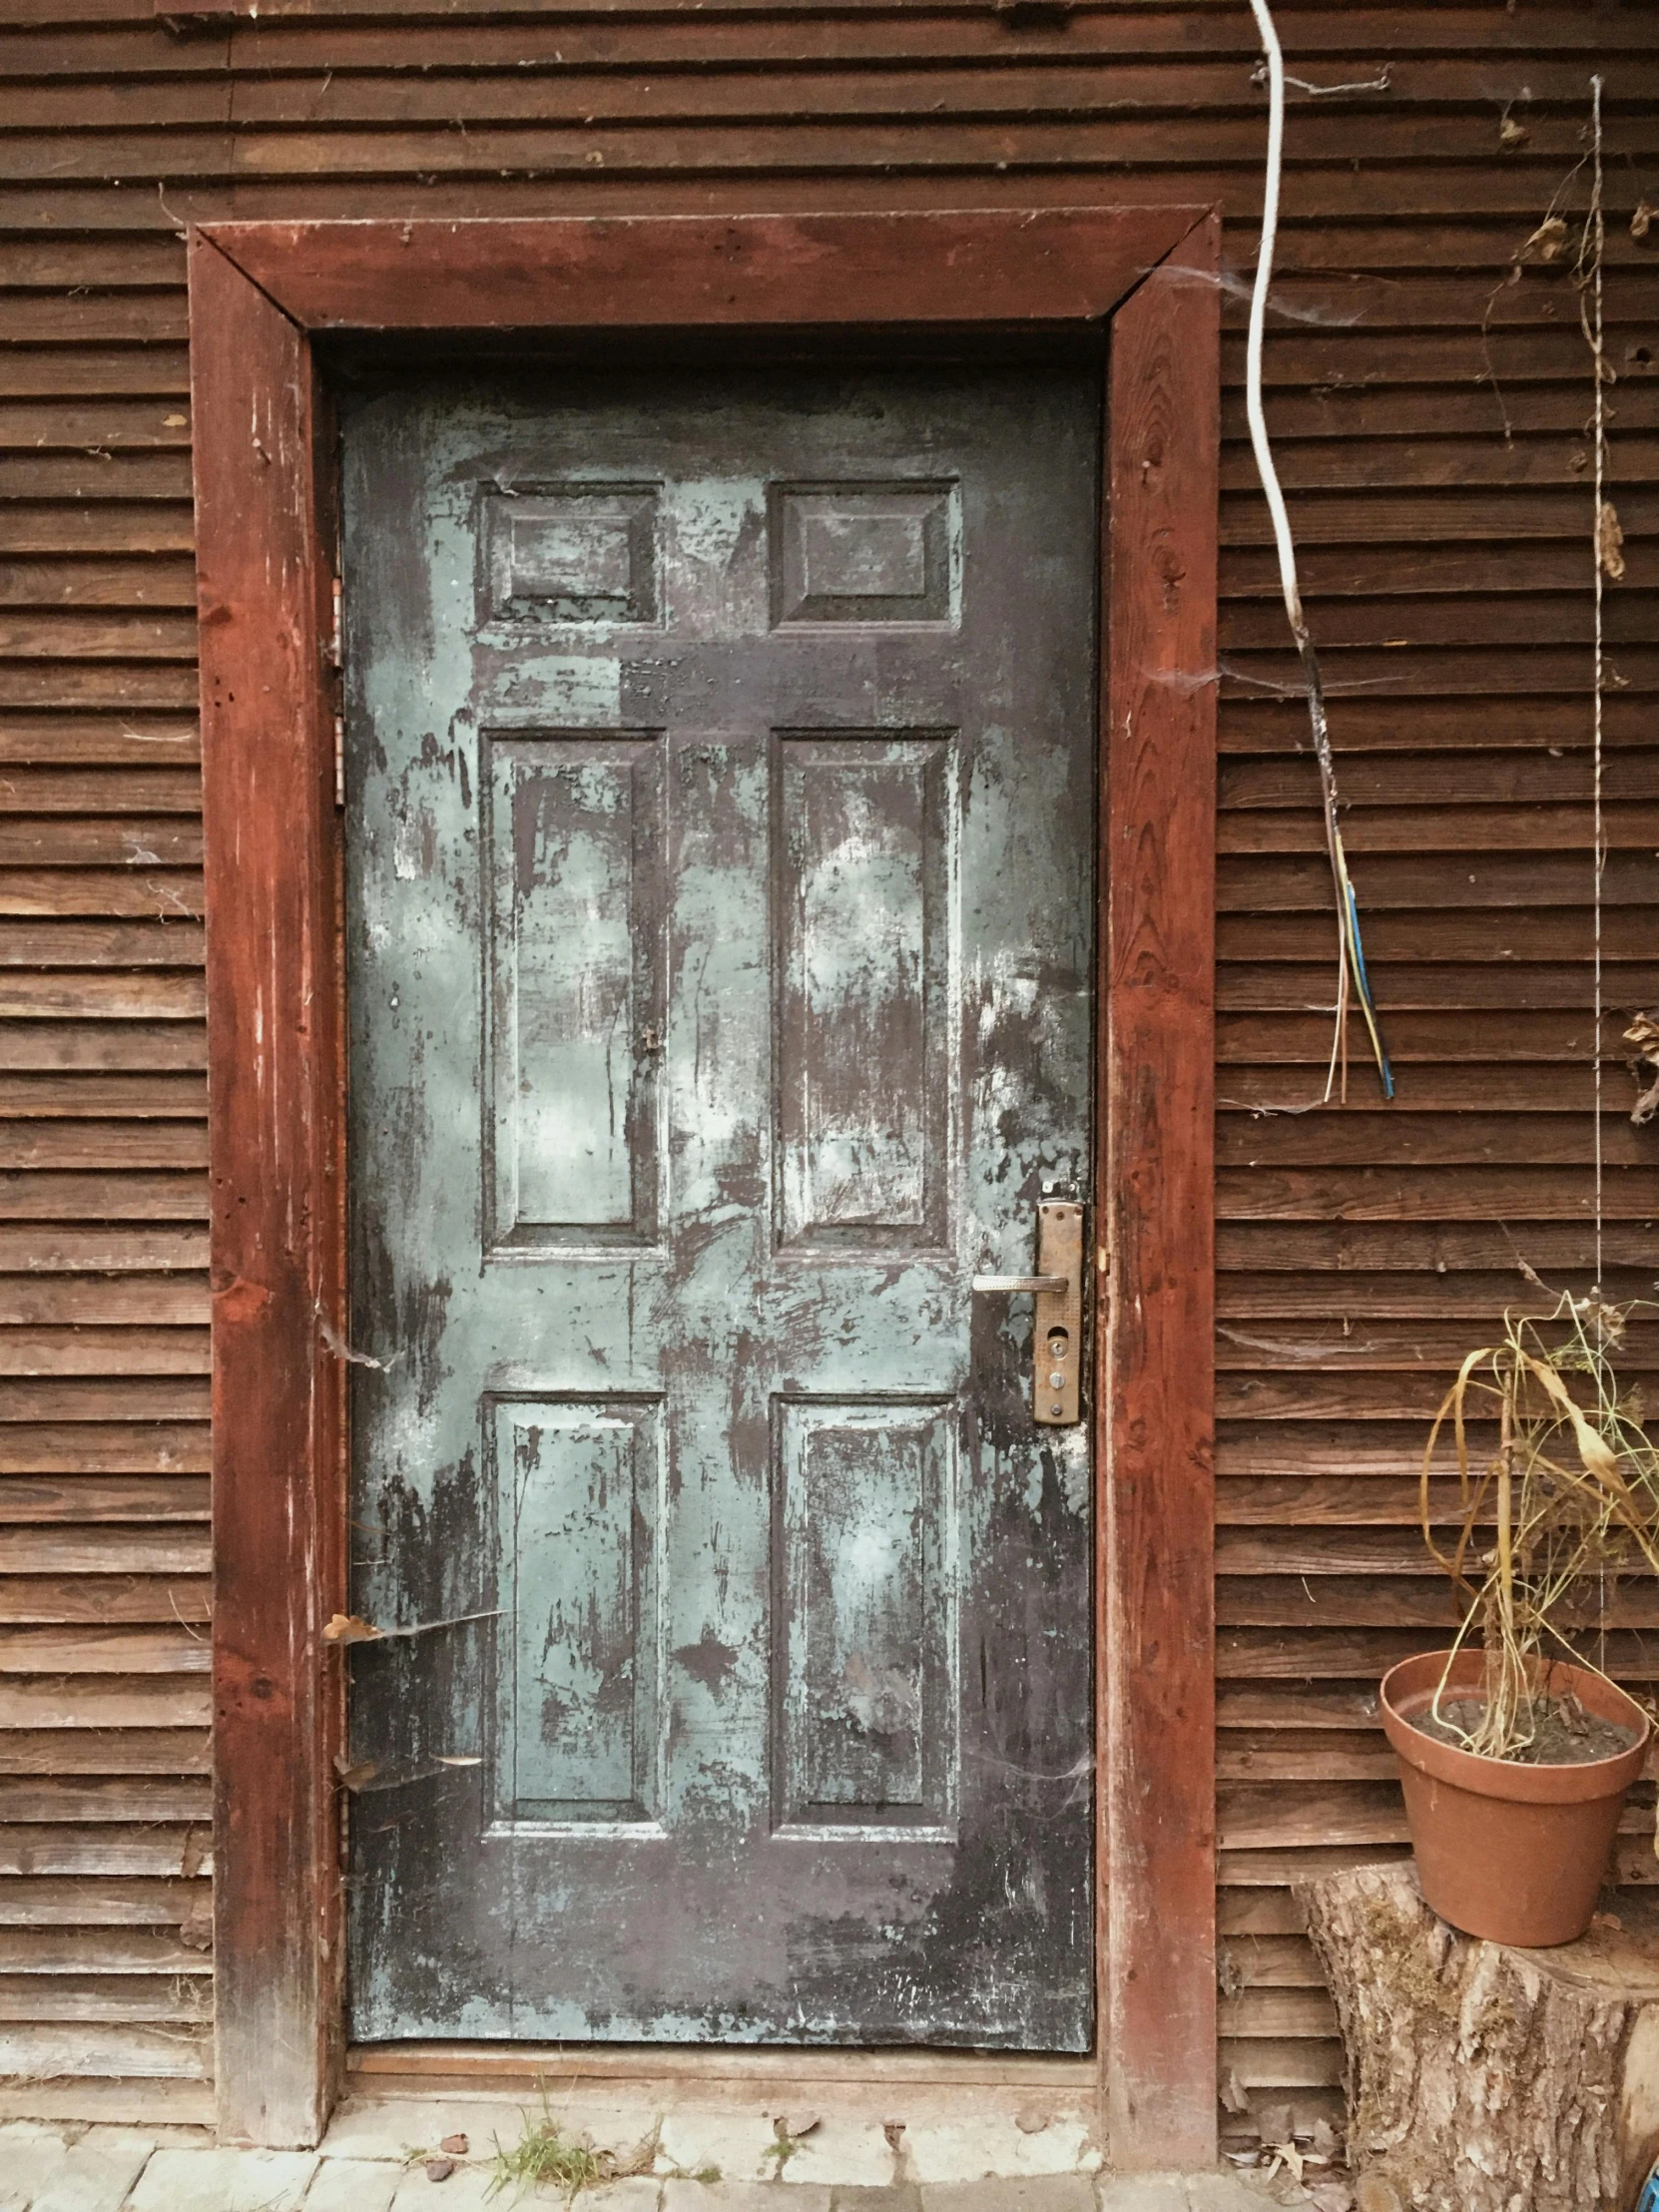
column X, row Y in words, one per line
column 1057, row 1325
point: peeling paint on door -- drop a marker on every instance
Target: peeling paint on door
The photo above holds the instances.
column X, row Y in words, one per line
column 719, row 771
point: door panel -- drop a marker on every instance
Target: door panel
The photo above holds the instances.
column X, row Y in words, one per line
column 861, row 877
column 579, row 1488
column 865, row 1613
column 572, row 928
column 719, row 932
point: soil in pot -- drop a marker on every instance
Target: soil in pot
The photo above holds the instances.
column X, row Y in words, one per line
column 1563, row 1733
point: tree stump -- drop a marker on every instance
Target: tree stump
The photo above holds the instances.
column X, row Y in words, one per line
column 1482, row 2078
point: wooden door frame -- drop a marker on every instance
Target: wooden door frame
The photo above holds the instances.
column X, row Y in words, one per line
column 266, row 488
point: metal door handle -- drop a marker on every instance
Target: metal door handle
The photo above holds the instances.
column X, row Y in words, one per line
column 1057, row 1331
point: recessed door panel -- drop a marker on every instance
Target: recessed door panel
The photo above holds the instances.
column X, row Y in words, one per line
column 571, row 919
column 720, row 782
column 865, row 1611
column 578, row 1733
column 865, row 553
column 863, row 875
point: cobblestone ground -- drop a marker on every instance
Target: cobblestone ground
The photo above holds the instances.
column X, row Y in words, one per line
column 388, row 2159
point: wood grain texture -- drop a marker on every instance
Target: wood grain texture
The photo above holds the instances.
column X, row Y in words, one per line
column 1156, row 990
column 1551, row 2106
column 124, row 2100
column 688, row 271
column 274, row 1103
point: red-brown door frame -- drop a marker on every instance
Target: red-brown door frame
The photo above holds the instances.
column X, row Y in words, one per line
column 264, row 488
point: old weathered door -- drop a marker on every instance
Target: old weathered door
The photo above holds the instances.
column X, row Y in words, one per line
column 720, row 802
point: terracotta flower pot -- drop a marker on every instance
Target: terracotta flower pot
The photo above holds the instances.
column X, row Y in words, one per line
column 1511, row 1852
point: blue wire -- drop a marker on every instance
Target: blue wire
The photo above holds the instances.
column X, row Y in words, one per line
column 1384, row 1072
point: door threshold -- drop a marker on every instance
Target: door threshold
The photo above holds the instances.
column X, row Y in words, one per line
column 867, row 2118
column 420, row 2069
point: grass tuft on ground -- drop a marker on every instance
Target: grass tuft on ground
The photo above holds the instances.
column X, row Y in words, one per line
column 546, row 2157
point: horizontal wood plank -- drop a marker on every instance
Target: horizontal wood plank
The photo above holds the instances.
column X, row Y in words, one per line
column 106, row 1950
column 96, row 1997
column 127, row 1799
column 63, row 1299
column 40, row 1850
column 96, row 1498
column 73, row 1142
column 127, row 1901
column 128, row 2052
column 120, row 2101
column 1309, row 1755
column 39, row 1047
column 100, row 1702
column 98, row 741
column 1257, row 2062
column 1265, row 2014
column 123, row 1551
column 114, row 1196
column 934, row 268
column 1364, row 1654
column 77, row 1647
column 1448, row 1246
column 111, row 1597
column 35, row 1096
column 62, row 1754
column 132, row 1446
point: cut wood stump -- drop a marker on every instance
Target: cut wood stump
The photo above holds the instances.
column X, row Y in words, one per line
column 1482, row 2078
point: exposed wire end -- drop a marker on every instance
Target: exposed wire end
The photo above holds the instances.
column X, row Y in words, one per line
column 1351, row 959
column 1367, row 1005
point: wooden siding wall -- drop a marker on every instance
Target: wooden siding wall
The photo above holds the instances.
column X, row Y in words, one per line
column 1439, row 484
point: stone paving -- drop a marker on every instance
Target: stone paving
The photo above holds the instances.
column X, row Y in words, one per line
column 387, row 2159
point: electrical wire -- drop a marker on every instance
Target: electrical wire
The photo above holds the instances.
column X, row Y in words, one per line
column 1351, row 957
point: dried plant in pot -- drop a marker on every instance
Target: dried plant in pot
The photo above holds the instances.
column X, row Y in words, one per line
column 1515, row 1749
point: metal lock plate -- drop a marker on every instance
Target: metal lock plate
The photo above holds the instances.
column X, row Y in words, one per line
column 1057, row 1339
column 1057, row 1335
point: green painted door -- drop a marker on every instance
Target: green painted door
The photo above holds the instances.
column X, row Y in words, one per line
column 720, row 803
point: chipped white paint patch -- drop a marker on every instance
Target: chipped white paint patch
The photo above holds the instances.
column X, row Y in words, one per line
column 411, row 1436
column 709, row 515
column 584, row 692
column 1072, row 1460
column 406, row 850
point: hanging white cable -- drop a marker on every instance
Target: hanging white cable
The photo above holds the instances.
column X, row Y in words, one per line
column 1351, row 964
column 1271, row 185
